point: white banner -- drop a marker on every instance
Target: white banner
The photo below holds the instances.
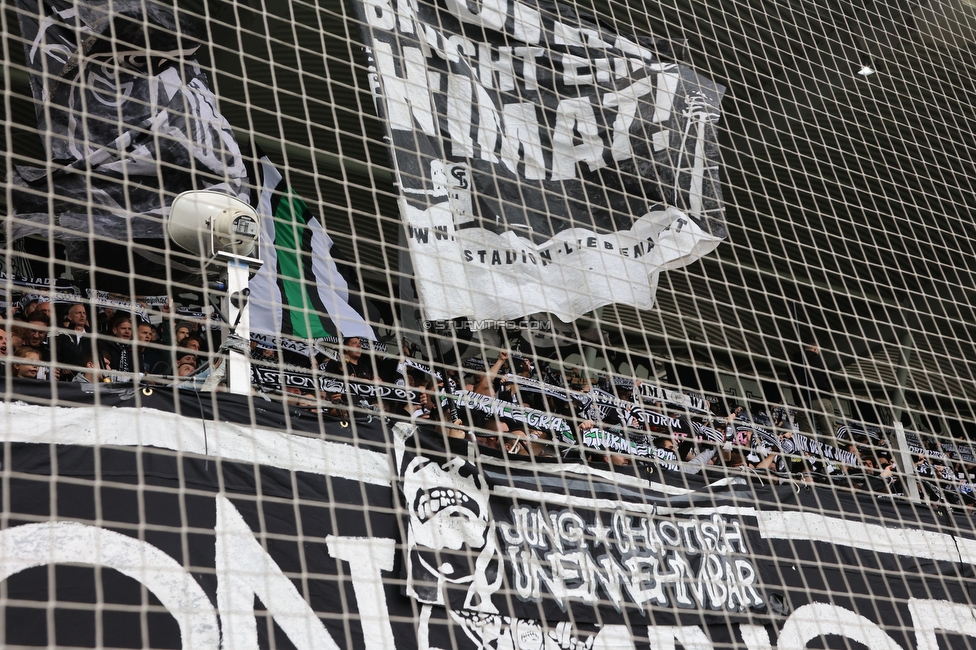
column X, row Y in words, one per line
column 506, row 276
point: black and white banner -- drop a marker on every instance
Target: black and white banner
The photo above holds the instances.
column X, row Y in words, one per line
column 615, row 442
column 174, row 527
column 751, row 435
column 799, row 443
column 545, row 162
column 417, row 365
column 128, row 117
column 493, row 407
column 917, row 447
column 580, row 400
column 273, row 379
column 694, row 403
column 619, row 412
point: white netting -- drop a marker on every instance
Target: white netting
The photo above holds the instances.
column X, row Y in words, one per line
column 499, row 324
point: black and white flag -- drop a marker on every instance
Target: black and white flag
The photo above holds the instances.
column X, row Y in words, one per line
column 545, row 162
column 127, row 116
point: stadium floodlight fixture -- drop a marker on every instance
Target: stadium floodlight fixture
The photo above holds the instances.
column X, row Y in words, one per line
column 222, row 229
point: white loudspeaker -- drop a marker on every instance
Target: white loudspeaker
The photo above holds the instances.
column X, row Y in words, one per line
column 204, row 222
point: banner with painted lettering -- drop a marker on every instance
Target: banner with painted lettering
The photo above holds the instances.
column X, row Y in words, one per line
column 277, row 380
column 43, row 283
column 616, row 442
column 575, row 399
column 122, row 301
column 493, row 407
column 694, row 403
column 545, row 162
column 504, row 548
column 946, row 449
column 619, row 412
column 417, row 365
column 243, row 531
column 795, row 444
column 799, row 443
column 852, row 430
column 959, row 451
column 302, row 348
column 919, row 448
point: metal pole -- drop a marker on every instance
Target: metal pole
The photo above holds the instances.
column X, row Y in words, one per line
column 905, row 346
column 905, row 462
column 238, row 341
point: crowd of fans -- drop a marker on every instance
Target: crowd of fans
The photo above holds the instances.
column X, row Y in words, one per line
column 728, row 436
column 71, row 344
column 65, row 342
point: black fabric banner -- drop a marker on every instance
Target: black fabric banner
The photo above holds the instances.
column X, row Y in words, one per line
column 533, row 144
column 622, row 413
column 370, row 535
column 128, row 116
column 581, row 400
column 273, row 379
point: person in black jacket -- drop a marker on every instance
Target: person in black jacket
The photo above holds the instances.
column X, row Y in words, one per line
column 152, row 360
column 119, row 352
column 353, row 364
column 74, row 342
column 815, row 392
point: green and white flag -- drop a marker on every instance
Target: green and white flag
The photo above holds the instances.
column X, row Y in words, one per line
column 299, row 291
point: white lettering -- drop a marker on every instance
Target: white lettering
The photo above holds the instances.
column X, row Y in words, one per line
column 628, row 102
column 755, row 637
column 489, row 124
column 244, row 569
column 406, row 14
column 522, row 134
column 379, row 14
column 528, row 24
column 528, row 56
column 63, row 542
column 504, row 67
column 493, row 13
column 820, row 619
column 572, row 65
column 459, row 115
column 614, row 637
column 368, row 558
column 407, row 97
column 662, row 637
column 575, row 119
column 931, row 615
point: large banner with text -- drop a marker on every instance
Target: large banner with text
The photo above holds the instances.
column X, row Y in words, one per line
column 545, row 161
column 175, row 522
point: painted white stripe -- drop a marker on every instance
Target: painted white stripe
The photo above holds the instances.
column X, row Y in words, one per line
column 647, row 509
column 583, row 471
column 869, row 537
column 622, row 478
column 68, row 542
column 132, row 427
column 732, row 511
column 556, row 498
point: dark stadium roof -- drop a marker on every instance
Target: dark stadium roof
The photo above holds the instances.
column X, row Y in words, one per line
column 848, row 196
